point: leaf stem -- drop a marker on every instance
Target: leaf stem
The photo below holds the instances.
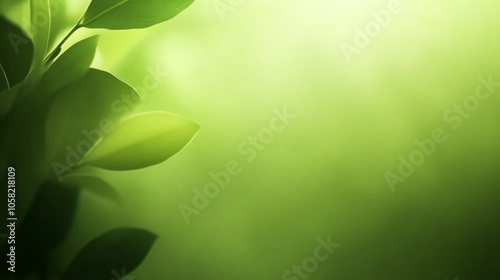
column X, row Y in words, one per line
column 57, row 49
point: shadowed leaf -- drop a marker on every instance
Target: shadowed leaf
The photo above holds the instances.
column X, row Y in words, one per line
column 115, row 249
column 16, row 54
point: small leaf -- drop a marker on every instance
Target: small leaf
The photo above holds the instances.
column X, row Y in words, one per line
column 94, row 185
column 71, row 65
column 83, row 112
column 129, row 14
column 47, row 222
column 16, row 54
column 40, row 26
column 142, row 141
column 115, row 249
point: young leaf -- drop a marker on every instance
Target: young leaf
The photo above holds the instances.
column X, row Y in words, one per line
column 94, row 185
column 116, row 249
column 142, row 141
column 71, row 65
column 130, row 14
column 16, row 54
column 40, row 26
column 83, row 112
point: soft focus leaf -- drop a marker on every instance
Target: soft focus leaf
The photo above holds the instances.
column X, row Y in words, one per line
column 71, row 65
column 83, row 112
column 16, row 54
column 129, row 14
column 142, row 141
column 116, row 249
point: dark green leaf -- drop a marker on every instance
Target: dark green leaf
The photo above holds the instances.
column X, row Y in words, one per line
column 129, row 14
column 141, row 141
column 16, row 54
column 47, row 222
column 71, row 65
column 83, row 112
column 116, row 249
column 94, row 185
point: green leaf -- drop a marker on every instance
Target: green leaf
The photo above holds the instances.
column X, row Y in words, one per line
column 94, row 185
column 16, row 54
column 83, row 112
column 40, row 26
column 47, row 222
column 130, row 14
column 71, row 65
column 117, row 249
column 142, row 141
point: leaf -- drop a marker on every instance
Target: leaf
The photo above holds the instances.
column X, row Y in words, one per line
column 94, row 185
column 47, row 222
column 116, row 249
column 40, row 26
column 142, row 141
column 71, row 65
column 16, row 54
column 83, row 112
column 130, row 14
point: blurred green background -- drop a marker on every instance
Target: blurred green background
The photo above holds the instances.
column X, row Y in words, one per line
column 230, row 66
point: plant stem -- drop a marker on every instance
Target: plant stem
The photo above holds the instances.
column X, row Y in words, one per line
column 57, row 50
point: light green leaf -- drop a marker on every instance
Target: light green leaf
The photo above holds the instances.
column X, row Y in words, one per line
column 16, row 54
column 142, row 141
column 129, row 14
column 71, row 65
column 83, row 112
column 40, row 26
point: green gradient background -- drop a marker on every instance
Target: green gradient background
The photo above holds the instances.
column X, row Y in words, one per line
column 324, row 174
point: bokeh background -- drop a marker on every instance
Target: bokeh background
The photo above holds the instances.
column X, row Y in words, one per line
column 230, row 64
